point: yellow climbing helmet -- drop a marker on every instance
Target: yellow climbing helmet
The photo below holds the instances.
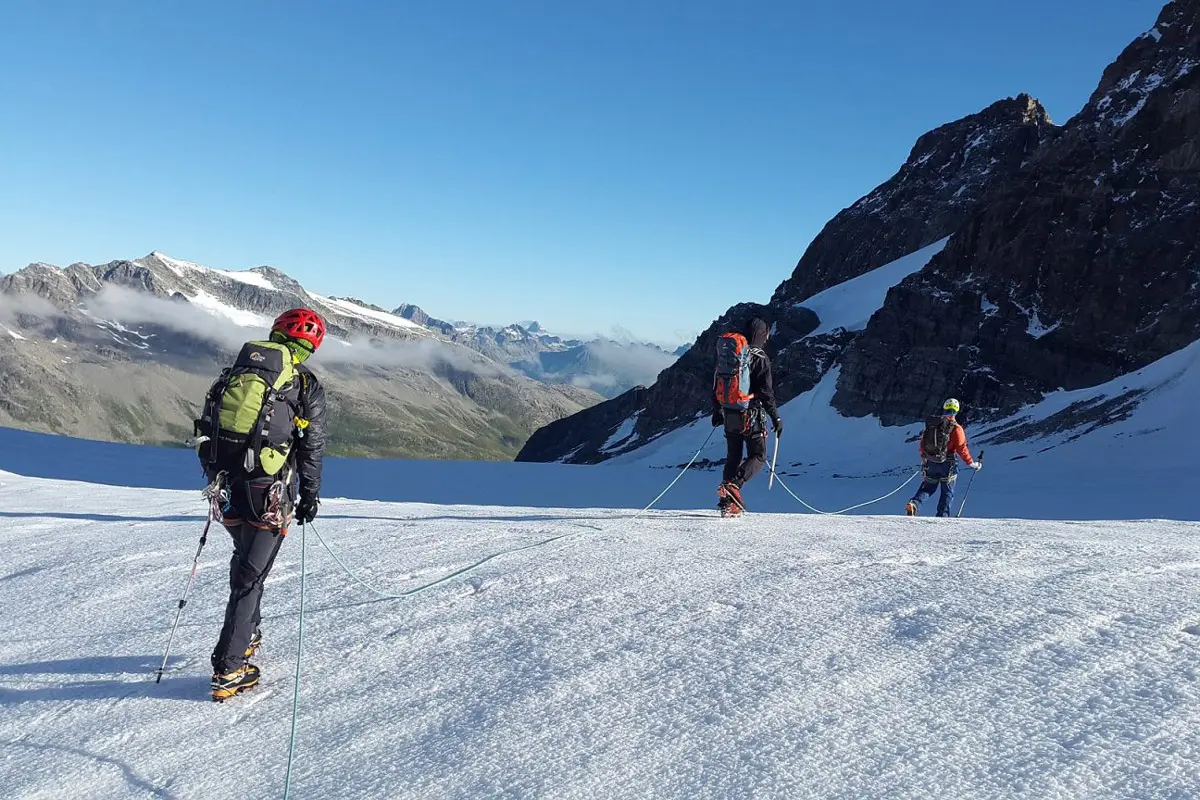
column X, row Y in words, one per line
column 951, row 405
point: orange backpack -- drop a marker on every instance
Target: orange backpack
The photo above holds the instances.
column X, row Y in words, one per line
column 731, row 382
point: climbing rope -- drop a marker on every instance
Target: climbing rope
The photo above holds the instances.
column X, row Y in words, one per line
column 417, row 590
column 287, row 781
column 671, row 485
column 844, row 510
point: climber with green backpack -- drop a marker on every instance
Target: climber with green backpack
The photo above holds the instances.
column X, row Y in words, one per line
column 261, row 439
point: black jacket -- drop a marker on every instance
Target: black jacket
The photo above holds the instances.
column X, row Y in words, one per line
column 762, row 384
column 309, row 449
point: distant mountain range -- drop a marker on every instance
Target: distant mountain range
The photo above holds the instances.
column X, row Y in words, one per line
column 604, row 365
column 125, row 350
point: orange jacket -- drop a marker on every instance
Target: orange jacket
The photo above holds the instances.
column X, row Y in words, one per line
column 958, row 444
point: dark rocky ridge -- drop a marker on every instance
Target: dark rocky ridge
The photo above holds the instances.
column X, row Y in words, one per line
column 943, row 181
column 1085, row 267
column 950, row 170
column 1072, row 258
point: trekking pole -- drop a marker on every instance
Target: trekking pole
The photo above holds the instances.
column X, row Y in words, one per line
column 969, row 484
column 775, row 459
column 186, row 592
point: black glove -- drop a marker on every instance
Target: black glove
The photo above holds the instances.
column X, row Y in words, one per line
column 718, row 418
column 778, row 425
column 306, row 510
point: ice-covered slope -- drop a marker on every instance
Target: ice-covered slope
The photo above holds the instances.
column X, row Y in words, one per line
column 850, row 304
column 678, row 656
column 1124, row 449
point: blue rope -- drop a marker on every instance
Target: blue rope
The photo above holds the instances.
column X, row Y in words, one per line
column 441, row 580
column 851, row 508
column 287, row 785
column 287, row 781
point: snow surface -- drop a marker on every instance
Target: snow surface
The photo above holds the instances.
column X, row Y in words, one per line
column 246, row 319
column 1036, row 328
column 1138, row 467
column 177, row 266
column 675, row 656
column 369, row 314
column 849, row 305
column 252, row 278
column 15, row 335
column 622, row 435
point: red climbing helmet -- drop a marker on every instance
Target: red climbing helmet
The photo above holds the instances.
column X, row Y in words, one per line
column 301, row 324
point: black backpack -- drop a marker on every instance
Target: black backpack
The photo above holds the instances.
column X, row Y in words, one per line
column 935, row 440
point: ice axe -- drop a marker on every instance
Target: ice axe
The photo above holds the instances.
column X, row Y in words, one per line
column 775, row 459
column 969, row 484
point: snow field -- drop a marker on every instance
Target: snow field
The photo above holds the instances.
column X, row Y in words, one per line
column 850, row 304
column 678, row 655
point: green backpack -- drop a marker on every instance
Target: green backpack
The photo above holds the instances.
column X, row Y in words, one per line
column 249, row 418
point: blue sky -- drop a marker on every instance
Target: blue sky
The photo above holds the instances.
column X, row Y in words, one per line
column 641, row 165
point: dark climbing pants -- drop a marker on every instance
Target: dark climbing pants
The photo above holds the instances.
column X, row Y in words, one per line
column 753, row 442
column 254, row 551
column 938, row 475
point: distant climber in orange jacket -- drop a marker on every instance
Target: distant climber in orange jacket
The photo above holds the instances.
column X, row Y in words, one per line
column 942, row 440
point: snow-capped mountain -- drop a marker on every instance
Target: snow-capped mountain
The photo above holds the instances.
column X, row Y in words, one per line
column 1007, row 259
column 125, row 350
column 606, row 366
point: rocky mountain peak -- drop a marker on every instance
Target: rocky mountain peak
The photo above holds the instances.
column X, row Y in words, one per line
column 965, row 136
column 1166, row 53
column 1070, row 259
column 948, row 174
column 1083, row 269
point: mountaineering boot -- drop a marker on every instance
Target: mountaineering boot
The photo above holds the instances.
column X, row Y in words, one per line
column 233, row 683
column 255, row 643
column 732, row 496
column 911, row 509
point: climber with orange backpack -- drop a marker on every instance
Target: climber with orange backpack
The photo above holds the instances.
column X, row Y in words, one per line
column 942, row 439
column 743, row 400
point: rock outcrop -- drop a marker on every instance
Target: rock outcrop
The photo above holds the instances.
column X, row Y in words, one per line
column 1073, row 257
column 945, row 179
column 1084, row 267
